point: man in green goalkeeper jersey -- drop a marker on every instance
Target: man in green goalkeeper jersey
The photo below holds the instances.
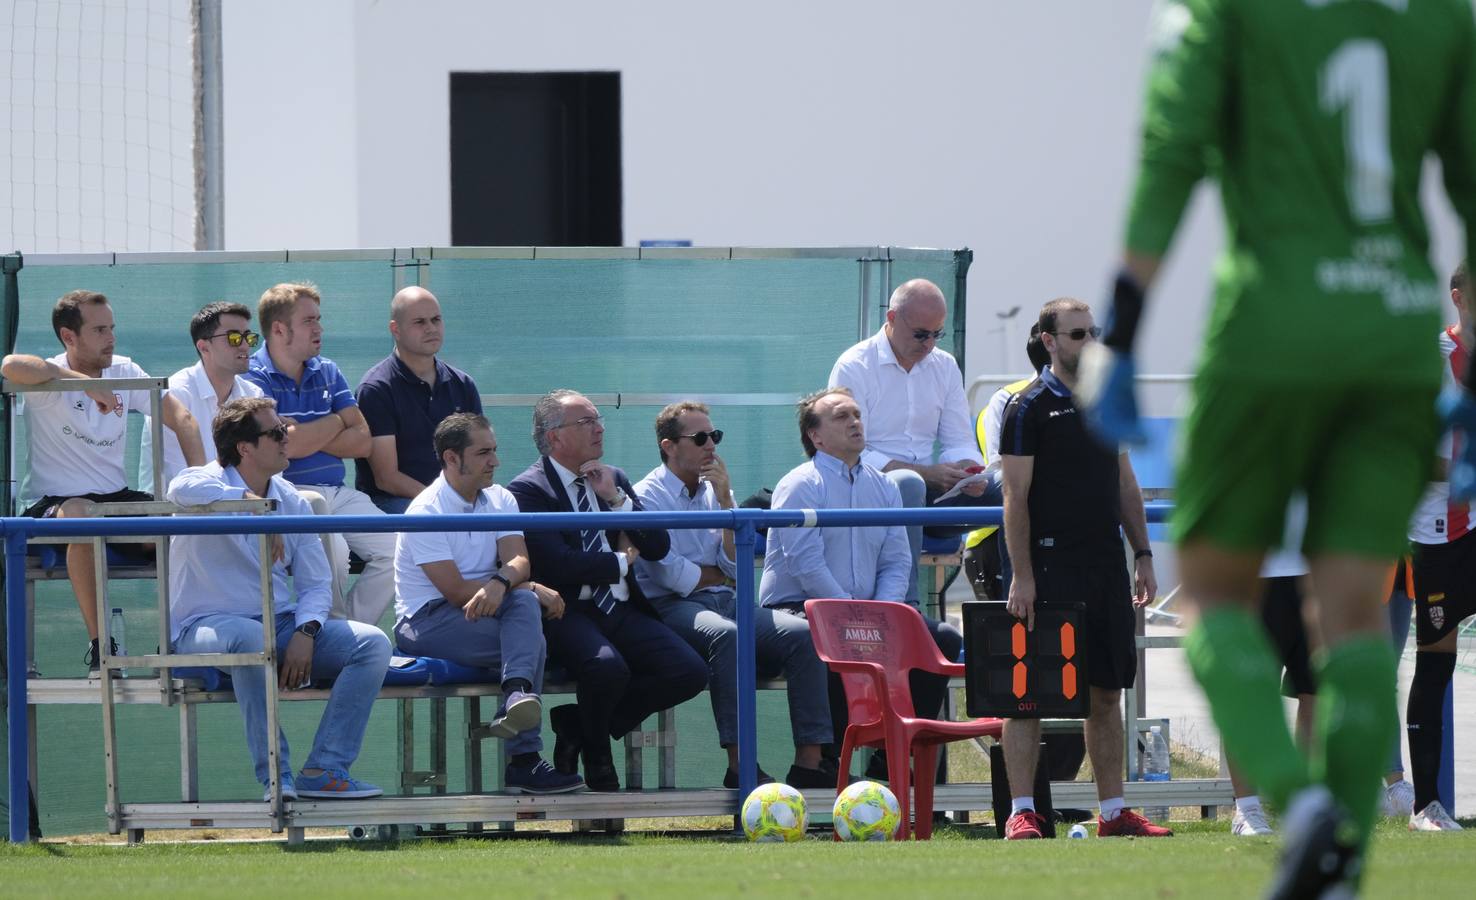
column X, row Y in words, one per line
column 1320, row 371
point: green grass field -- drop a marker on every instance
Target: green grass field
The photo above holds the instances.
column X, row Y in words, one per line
column 1202, row 861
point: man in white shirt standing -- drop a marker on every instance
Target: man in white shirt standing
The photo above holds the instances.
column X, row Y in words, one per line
column 223, row 339
column 465, row 596
column 692, row 589
column 215, row 606
column 911, row 398
column 77, row 439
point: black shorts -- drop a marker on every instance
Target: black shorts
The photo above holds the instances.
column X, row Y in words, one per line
column 1281, row 613
column 46, row 507
column 1111, row 636
column 1445, row 587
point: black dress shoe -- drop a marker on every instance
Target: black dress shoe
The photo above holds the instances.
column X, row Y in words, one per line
column 876, row 769
column 730, row 778
column 599, row 775
column 566, row 728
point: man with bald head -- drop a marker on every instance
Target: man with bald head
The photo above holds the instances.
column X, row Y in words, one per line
column 404, row 397
column 911, row 397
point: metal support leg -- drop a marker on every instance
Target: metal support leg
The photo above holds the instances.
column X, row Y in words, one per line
column 189, row 764
column 666, row 750
column 105, row 653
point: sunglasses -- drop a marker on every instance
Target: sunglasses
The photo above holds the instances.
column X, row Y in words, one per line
column 277, row 434
column 237, row 338
column 922, row 335
column 700, row 437
column 1079, row 334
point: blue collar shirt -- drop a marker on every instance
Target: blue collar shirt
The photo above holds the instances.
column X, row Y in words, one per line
column 870, row 563
column 321, row 392
column 678, row 572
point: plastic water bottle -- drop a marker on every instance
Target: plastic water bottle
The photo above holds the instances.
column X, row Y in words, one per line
column 115, row 631
column 1156, row 768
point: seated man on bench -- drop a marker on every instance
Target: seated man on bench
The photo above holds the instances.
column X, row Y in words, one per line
column 465, row 596
column 215, row 605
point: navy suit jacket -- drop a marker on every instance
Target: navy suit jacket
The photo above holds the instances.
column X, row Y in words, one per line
column 559, row 558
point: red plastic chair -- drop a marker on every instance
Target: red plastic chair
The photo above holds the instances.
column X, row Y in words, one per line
column 873, row 645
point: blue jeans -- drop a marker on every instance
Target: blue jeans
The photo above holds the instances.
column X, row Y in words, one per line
column 511, row 640
column 353, row 655
column 707, row 621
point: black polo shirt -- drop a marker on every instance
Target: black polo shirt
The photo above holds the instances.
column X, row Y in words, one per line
column 1075, row 504
column 395, row 401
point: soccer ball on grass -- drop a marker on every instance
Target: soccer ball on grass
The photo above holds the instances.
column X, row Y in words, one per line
column 774, row 812
column 866, row 811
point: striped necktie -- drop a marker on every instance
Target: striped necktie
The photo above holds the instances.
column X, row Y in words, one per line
column 603, row 600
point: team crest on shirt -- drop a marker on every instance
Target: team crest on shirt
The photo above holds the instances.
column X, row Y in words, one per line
column 80, row 405
column 1437, row 615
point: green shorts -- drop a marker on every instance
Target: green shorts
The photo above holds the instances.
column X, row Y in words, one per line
column 1361, row 454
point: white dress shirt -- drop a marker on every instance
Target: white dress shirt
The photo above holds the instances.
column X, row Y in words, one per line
column 213, row 574
column 192, row 387
column 691, row 548
column 473, row 552
column 906, row 413
column 618, row 590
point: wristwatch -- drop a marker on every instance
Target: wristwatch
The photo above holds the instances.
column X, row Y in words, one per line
column 617, row 500
column 1142, row 553
column 310, row 629
column 498, row 576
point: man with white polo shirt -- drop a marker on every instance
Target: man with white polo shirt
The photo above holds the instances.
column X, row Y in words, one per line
column 223, row 340
column 327, row 428
column 77, row 439
column 215, row 606
column 465, row 596
column 911, row 397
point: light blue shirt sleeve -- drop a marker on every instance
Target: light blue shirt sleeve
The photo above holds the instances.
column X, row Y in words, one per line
column 674, row 573
column 894, row 565
column 803, row 549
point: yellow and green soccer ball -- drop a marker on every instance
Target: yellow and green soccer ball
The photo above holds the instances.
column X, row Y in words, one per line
column 774, row 812
column 866, row 811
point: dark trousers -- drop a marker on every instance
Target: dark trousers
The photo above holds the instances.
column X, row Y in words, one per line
column 928, row 690
column 628, row 665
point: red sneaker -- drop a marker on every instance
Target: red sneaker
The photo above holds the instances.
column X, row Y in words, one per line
column 1024, row 825
column 1130, row 824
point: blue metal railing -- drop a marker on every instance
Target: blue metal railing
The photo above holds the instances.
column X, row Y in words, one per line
column 744, row 522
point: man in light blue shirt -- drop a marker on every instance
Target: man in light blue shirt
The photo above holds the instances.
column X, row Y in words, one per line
column 870, row 563
column 215, row 605
column 691, row 588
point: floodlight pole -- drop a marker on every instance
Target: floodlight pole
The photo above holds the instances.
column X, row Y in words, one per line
column 744, row 536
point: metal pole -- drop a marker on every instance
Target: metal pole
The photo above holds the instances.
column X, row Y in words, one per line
column 15, row 687
column 211, row 134
column 744, row 535
column 269, row 645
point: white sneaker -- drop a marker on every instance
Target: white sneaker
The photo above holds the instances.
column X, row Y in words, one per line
column 289, row 792
column 1250, row 824
column 1433, row 818
column 1398, row 800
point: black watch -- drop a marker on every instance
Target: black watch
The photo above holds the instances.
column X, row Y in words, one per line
column 1142, row 553
column 310, row 629
column 498, row 576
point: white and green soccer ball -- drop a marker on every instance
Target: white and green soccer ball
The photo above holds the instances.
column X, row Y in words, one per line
column 866, row 811
column 774, row 812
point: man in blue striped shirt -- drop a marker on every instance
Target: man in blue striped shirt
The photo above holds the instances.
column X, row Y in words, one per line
column 326, row 427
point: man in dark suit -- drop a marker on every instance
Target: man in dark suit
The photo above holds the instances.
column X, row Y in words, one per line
column 627, row 663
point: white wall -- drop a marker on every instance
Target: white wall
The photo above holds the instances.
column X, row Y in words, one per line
column 1005, row 126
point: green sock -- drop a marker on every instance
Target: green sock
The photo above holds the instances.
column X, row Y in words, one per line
column 1356, row 722
column 1232, row 659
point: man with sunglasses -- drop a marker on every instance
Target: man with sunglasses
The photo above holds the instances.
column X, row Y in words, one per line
column 223, row 340
column 911, row 397
column 404, row 397
column 1067, row 503
column 692, row 588
column 627, row 662
column 215, row 606
column 77, row 439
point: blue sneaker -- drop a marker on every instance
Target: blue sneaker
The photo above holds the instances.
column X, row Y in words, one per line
column 331, row 785
column 539, row 778
column 520, row 711
column 288, row 793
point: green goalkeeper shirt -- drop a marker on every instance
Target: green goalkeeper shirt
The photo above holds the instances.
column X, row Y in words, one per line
column 1315, row 116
